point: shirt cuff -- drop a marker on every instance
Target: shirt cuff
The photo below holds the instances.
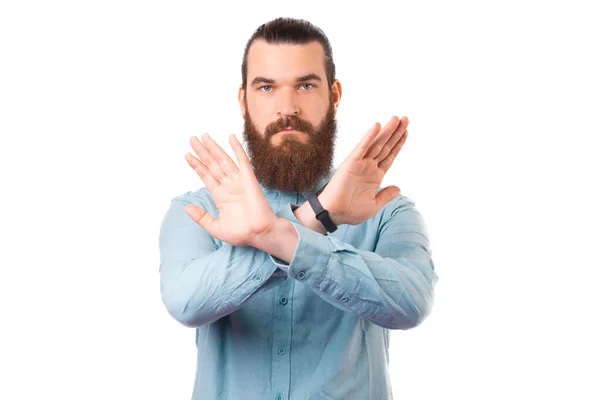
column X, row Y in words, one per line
column 286, row 212
column 310, row 259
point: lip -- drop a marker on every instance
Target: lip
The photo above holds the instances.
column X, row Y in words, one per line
column 287, row 131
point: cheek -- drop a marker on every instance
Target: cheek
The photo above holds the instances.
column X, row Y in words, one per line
column 316, row 113
column 257, row 116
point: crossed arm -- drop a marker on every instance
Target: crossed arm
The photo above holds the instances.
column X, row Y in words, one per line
column 203, row 279
column 219, row 250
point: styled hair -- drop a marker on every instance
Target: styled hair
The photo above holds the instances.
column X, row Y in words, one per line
column 291, row 31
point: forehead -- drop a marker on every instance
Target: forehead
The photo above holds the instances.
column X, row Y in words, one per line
column 285, row 61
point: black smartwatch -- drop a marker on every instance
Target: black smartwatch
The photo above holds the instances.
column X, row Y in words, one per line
column 320, row 213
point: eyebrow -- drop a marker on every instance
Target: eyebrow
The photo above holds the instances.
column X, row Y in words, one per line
column 309, row 77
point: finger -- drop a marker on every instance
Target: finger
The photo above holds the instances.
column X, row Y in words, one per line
column 202, row 218
column 386, row 195
column 393, row 140
column 226, row 163
column 240, row 154
column 203, row 172
column 361, row 149
column 383, row 137
column 207, row 158
column 387, row 162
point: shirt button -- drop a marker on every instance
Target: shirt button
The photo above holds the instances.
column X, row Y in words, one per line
column 283, row 300
column 344, row 299
column 279, row 397
column 301, row 275
column 257, row 277
column 281, row 350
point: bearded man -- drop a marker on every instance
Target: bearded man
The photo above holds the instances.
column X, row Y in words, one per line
column 291, row 272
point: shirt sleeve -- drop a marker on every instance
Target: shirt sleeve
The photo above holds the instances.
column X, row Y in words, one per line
column 201, row 278
column 285, row 212
column 392, row 286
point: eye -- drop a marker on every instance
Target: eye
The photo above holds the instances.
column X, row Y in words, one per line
column 266, row 86
column 308, row 84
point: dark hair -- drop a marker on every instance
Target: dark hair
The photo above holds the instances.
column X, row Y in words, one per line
column 291, row 31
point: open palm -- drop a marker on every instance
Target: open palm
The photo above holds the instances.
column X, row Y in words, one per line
column 244, row 212
column 351, row 194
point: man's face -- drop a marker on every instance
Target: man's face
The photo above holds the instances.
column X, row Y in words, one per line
column 287, row 88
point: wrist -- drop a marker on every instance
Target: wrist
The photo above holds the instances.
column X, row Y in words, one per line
column 280, row 240
column 329, row 205
column 306, row 216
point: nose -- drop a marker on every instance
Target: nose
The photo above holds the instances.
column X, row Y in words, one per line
column 287, row 104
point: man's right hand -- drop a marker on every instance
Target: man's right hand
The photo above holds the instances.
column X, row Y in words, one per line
column 244, row 212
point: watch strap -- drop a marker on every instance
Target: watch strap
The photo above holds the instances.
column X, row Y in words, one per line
column 320, row 213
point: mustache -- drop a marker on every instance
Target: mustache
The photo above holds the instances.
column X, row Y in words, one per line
column 282, row 123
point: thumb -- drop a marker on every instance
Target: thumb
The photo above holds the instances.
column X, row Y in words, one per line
column 201, row 217
column 386, row 195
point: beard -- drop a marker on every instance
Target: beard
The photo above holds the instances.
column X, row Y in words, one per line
column 292, row 166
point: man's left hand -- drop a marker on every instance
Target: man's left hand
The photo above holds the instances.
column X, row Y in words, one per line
column 351, row 195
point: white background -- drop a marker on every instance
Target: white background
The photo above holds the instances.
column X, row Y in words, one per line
column 99, row 99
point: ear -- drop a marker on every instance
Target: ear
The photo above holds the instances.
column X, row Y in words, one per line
column 336, row 93
column 241, row 93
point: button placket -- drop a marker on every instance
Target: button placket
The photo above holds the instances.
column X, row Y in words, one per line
column 281, row 341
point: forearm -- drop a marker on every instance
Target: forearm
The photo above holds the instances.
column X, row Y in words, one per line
column 204, row 289
column 202, row 280
column 395, row 293
column 391, row 286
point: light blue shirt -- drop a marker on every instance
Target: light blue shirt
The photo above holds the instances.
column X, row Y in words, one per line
column 316, row 328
